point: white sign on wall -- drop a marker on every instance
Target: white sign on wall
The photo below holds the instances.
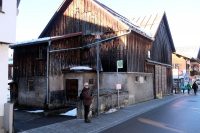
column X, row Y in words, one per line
column 118, row 86
column 141, row 79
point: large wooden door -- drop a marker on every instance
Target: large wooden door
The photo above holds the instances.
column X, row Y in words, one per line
column 160, row 81
column 71, row 91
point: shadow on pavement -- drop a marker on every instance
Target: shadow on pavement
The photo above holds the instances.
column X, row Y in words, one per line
column 24, row 120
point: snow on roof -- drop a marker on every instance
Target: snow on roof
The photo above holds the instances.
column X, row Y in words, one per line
column 45, row 40
column 30, row 42
column 149, row 23
column 81, row 68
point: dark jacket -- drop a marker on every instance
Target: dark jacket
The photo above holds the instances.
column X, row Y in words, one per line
column 87, row 96
column 194, row 86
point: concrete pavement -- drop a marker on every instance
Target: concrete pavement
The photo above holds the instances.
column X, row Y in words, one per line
column 103, row 121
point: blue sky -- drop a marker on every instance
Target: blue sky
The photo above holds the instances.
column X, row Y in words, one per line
column 183, row 17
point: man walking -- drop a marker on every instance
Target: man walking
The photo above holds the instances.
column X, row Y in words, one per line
column 195, row 87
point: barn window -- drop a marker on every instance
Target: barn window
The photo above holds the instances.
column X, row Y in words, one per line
column 145, row 78
column 40, row 53
column 91, row 81
column 137, row 78
column 1, row 4
column 30, row 85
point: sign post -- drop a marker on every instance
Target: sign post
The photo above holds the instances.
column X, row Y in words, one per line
column 118, row 86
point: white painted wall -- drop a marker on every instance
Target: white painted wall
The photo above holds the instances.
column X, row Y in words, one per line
column 7, row 35
column 3, row 76
column 8, row 21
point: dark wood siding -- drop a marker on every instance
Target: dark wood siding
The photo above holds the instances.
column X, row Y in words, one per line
column 161, row 48
column 64, row 59
column 82, row 16
column 30, row 61
column 110, row 52
column 137, row 52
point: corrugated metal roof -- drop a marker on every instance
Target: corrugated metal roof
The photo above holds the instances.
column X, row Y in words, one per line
column 152, row 22
column 149, row 23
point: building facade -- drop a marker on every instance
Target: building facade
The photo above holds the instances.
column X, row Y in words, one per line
column 181, row 70
column 8, row 13
column 160, row 54
column 46, row 76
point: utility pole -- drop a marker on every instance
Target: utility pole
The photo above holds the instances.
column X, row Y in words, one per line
column 97, row 38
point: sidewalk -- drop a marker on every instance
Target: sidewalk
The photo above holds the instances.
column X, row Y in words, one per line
column 103, row 121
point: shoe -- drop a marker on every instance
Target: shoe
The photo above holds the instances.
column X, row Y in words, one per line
column 87, row 121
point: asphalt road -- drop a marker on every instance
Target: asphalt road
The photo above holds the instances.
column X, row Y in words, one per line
column 24, row 121
column 179, row 116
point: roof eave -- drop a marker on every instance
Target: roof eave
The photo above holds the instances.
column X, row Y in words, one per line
column 44, row 40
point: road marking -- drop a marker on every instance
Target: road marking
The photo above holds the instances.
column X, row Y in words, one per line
column 158, row 124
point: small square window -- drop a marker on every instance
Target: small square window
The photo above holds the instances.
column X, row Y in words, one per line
column 145, row 78
column 91, row 81
column 137, row 78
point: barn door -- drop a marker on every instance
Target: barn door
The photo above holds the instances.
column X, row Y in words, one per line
column 160, row 81
column 71, row 91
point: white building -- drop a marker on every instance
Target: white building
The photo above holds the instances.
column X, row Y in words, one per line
column 8, row 14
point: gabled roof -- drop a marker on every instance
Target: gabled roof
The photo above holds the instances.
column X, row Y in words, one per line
column 133, row 26
column 119, row 17
column 151, row 24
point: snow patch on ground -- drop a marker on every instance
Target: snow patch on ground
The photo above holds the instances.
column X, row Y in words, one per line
column 36, row 111
column 70, row 113
column 111, row 111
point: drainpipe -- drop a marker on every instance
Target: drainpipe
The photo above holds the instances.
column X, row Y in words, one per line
column 47, row 91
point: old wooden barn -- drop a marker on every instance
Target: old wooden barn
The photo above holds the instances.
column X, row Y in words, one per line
column 160, row 55
column 50, row 71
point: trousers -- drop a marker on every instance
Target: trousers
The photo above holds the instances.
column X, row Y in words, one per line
column 86, row 111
